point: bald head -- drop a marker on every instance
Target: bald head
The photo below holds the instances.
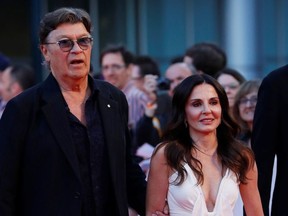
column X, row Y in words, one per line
column 175, row 73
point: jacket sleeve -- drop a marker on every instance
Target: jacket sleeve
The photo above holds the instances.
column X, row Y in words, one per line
column 12, row 129
column 265, row 136
column 136, row 184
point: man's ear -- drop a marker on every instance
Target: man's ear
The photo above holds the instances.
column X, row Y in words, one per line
column 45, row 52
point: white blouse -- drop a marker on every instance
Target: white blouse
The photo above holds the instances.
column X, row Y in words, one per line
column 188, row 199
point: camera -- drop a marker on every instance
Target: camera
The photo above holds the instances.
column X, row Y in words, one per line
column 163, row 83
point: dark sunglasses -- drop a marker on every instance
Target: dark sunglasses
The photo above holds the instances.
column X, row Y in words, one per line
column 66, row 45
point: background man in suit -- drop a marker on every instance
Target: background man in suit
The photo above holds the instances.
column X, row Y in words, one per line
column 64, row 144
column 269, row 139
column 4, row 63
column 14, row 80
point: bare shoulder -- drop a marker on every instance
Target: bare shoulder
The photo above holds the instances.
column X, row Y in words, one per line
column 159, row 160
column 159, row 153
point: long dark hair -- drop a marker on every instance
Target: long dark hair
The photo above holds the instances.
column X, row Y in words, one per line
column 178, row 143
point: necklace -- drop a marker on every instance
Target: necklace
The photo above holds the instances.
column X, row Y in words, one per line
column 203, row 152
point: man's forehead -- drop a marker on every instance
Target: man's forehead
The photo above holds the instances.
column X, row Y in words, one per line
column 113, row 57
column 69, row 30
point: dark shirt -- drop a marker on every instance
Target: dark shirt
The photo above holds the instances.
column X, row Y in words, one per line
column 97, row 195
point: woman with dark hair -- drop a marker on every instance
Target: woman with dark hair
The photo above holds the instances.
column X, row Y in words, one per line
column 200, row 167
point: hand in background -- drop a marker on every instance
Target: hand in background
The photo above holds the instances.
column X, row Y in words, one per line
column 150, row 86
column 150, row 83
column 150, row 109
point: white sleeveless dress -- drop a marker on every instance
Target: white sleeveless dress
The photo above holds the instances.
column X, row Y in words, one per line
column 187, row 199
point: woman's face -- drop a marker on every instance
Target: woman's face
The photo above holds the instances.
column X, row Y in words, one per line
column 203, row 110
column 247, row 106
column 231, row 86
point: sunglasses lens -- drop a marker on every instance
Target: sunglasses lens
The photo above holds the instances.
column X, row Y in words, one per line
column 84, row 43
column 66, row 45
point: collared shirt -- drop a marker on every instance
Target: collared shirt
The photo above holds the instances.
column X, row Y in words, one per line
column 97, row 195
column 137, row 101
column 2, row 107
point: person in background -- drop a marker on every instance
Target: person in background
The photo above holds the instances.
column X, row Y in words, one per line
column 243, row 113
column 270, row 140
column 200, row 166
column 145, row 73
column 116, row 67
column 244, row 108
column 206, row 57
column 64, row 143
column 230, row 80
column 4, row 63
column 175, row 73
column 14, row 80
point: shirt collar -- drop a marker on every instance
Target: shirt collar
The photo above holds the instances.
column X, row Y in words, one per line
column 92, row 86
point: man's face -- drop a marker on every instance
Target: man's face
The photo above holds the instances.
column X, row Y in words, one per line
column 176, row 74
column 114, row 70
column 6, row 85
column 67, row 65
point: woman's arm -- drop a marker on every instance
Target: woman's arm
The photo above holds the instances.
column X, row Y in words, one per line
column 250, row 194
column 157, row 182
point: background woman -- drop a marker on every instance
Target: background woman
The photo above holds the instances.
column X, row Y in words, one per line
column 243, row 111
column 230, row 80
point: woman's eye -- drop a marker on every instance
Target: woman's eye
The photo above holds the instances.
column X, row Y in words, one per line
column 197, row 104
column 214, row 102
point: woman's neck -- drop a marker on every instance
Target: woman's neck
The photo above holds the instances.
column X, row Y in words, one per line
column 206, row 144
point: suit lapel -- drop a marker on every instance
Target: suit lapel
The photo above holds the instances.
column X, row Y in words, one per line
column 56, row 116
column 109, row 112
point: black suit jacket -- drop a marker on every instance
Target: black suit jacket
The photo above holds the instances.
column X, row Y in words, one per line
column 39, row 171
column 270, row 138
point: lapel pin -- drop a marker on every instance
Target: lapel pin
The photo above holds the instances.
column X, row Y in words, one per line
column 108, row 105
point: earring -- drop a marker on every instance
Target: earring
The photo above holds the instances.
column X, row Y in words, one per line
column 185, row 123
